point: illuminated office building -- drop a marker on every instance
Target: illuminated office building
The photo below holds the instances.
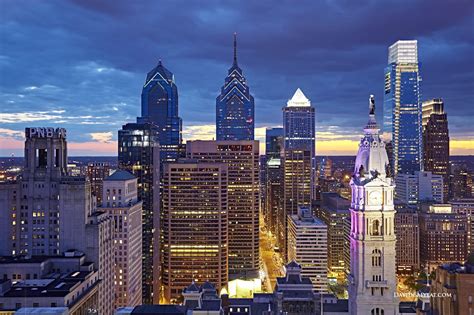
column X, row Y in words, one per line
column 120, row 201
column 273, row 142
column 436, row 141
column 235, row 108
column 307, row 245
column 139, row 153
column 402, row 112
column 160, row 107
column 407, row 231
column 420, row 186
column 194, row 226
column 241, row 158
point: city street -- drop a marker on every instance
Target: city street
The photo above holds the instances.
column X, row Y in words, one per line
column 272, row 262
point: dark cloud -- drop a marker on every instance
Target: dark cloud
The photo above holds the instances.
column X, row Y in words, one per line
column 96, row 54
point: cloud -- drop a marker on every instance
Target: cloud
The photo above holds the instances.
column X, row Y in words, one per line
column 102, row 137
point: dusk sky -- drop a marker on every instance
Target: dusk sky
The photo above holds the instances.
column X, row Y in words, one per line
column 81, row 64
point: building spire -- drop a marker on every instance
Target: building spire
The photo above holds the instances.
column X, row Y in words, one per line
column 371, row 105
column 235, row 48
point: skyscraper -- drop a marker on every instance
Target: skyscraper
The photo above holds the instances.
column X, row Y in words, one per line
column 298, row 157
column 139, row 153
column 436, row 141
column 96, row 172
column 299, row 123
column 372, row 235
column 195, row 224
column 235, row 108
column 420, row 186
column 402, row 113
column 241, row 158
column 160, row 107
column 120, row 201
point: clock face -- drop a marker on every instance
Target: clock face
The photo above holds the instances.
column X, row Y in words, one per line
column 375, row 198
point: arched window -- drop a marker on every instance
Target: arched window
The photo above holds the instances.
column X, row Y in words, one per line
column 376, row 227
column 377, row 311
column 376, row 258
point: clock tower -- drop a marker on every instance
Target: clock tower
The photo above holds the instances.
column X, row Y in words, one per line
column 372, row 281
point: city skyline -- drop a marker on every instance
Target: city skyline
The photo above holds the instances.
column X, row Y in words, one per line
column 97, row 75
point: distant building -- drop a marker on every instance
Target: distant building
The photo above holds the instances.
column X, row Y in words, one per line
column 96, row 172
column 68, row 282
column 307, row 244
column 460, row 183
column 120, row 201
column 443, row 235
column 436, row 141
column 195, row 228
column 402, row 110
column 235, row 108
column 274, row 138
column 241, row 158
column 334, row 212
column 160, row 107
column 325, row 169
column 453, row 289
column 139, row 153
column 420, row 186
column 408, row 239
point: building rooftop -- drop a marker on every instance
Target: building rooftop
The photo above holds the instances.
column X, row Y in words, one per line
column 120, row 175
column 299, row 100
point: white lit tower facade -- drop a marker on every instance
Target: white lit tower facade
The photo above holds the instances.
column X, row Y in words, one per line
column 372, row 280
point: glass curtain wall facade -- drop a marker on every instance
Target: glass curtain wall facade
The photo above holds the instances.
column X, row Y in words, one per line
column 402, row 112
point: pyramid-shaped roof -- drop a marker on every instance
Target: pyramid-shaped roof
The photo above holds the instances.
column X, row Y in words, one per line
column 299, row 100
column 120, row 175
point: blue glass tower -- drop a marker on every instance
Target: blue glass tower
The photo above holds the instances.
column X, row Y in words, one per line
column 299, row 124
column 235, row 108
column 402, row 111
column 160, row 107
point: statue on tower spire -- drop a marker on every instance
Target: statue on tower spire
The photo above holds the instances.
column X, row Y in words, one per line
column 371, row 105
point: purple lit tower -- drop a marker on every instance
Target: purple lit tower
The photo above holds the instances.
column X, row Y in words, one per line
column 372, row 280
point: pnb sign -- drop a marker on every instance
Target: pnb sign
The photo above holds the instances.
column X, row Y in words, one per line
column 45, row 132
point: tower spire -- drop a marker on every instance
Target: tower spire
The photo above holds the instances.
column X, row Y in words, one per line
column 371, row 105
column 235, row 48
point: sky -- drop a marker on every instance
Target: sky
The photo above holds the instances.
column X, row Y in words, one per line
column 81, row 64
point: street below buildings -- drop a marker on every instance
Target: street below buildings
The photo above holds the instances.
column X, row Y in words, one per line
column 271, row 260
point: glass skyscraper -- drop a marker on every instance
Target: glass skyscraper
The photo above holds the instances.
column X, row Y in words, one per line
column 235, row 108
column 160, row 107
column 139, row 153
column 402, row 114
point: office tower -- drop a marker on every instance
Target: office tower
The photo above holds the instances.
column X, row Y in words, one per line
column 466, row 207
column 235, row 107
column 307, row 244
column 96, row 172
column 297, row 186
column 241, row 158
column 453, row 280
column 274, row 197
column 69, row 282
column 139, row 153
column 160, row 107
column 273, row 142
column 120, row 202
column 372, row 235
column 443, row 235
column 334, row 212
column 299, row 124
column 53, row 213
column 436, row 141
column 420, row 186
column 402, row 113
column 194, row 225
column 407, row 232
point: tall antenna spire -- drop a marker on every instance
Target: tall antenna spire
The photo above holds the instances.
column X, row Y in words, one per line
column 235, row 48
